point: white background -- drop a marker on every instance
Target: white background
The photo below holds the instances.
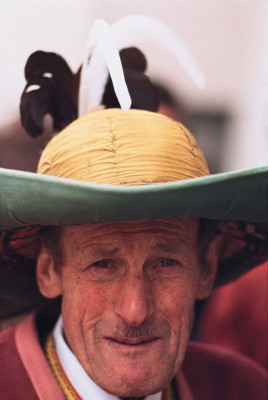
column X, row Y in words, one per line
column 228, row 38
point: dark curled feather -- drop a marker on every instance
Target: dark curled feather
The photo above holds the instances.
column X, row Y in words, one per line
column 51, row 88
column 143, row 93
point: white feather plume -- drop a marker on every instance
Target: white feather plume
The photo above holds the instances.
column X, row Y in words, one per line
column 101, row 51
column 126, row 32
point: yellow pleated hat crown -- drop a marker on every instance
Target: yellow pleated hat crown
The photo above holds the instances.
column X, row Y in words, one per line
column 124, row 148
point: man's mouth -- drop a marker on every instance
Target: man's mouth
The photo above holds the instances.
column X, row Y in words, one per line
column 132, row 342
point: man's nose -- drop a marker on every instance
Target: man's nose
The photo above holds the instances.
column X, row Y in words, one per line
column 134, row 301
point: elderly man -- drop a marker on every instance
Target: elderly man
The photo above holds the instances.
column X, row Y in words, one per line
column 127, row 244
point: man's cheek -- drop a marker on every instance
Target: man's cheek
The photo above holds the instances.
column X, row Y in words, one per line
column 173, row 299
column 180, row 314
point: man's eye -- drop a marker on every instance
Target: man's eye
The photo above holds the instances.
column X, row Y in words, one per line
column 102, row 271
column 168, row 262
column 101, row 264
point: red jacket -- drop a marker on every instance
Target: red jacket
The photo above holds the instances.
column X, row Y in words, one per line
column 235, row 316
column 207, row 373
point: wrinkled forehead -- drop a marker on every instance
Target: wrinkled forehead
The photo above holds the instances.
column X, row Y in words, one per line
column 160, row 229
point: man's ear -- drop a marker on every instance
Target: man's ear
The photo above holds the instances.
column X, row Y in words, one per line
column 48, row 280
column 209, row 270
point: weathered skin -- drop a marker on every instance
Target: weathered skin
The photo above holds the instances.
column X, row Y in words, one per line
column 128, row 296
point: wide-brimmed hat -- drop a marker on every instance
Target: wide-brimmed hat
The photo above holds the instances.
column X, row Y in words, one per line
column 112, row 166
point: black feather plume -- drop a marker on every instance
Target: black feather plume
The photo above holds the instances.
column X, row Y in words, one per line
column 143, row 93
column 52, row 88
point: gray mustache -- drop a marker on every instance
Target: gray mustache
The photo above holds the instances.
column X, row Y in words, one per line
column 124, row 332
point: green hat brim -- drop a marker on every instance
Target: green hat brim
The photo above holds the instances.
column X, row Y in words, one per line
column 34, row 199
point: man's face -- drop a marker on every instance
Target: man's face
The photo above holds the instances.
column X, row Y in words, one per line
column 128, row 293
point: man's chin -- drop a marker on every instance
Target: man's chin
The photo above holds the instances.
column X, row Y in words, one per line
column 139, row 385
column 133, row 392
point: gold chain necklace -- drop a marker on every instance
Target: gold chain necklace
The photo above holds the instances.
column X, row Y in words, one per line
column 52, row 357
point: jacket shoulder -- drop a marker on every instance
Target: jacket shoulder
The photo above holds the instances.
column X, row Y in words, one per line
column 14, row 381
column 217, row 373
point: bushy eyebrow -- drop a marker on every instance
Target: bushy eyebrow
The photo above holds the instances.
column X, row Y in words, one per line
column 169, row 247
column 103, row 252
